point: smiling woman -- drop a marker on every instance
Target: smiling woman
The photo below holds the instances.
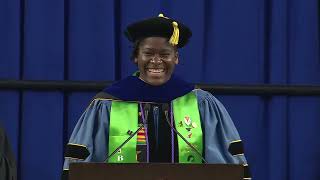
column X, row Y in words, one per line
column 156, row 60
column 154, row 116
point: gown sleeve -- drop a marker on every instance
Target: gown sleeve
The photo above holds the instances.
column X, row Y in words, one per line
column 222, row 143
column 89, row 139
column 8, row 168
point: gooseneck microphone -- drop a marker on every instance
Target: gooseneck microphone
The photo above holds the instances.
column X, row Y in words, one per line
column 146, row 111
column 144, row 116
column 165, row 107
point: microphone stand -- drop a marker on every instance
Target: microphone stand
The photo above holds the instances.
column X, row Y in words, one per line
column 125, row 142
column 184, row 139
column 147, row 108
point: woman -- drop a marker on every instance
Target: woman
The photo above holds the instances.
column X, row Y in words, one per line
column 154, row 116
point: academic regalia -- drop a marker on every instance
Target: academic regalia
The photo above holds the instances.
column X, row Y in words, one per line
column 8, row 167
column 222, row 143
column 89, row 141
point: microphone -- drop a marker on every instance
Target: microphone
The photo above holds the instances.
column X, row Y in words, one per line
column 145, row 123
column 165, row 107
column 146, row 110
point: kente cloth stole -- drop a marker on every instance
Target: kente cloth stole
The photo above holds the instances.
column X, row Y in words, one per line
column 124, row 118
column 141, row 141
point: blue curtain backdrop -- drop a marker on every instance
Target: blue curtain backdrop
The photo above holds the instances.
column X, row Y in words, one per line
column 234, row 42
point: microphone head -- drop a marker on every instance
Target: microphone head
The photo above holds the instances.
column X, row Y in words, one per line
column 147, row 107
column 165, row 107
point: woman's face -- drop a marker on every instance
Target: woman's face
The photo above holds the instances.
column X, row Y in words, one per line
column 156, row 59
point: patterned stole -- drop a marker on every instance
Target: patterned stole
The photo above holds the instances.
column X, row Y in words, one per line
column 125, row 117
column 141, row 142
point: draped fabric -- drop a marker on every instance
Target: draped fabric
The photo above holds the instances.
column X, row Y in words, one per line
column 8, row 168
column 234, row 42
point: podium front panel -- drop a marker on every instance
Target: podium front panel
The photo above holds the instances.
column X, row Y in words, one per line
column 155, row 171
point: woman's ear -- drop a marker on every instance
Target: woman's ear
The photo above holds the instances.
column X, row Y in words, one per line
column 177, row 58
column 135, row 60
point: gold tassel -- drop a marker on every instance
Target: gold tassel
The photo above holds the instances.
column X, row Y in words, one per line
column 174, row 40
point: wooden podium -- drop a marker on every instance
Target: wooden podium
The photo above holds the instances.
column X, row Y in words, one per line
column 155, row 171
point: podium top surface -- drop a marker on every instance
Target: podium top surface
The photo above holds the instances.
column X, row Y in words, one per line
column 154, row 171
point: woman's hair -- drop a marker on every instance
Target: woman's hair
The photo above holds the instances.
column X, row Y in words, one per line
column 135, row 49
